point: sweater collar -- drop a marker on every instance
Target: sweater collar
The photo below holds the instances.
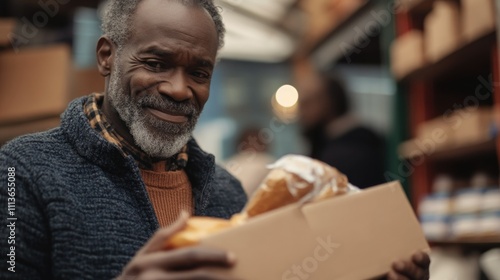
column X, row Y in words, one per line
column 88, row 142
column 201, row 172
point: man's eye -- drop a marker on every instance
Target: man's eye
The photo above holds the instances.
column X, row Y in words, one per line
column 155, row 65
column 201, row 74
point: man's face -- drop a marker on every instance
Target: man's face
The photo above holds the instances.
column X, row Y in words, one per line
column 161, row 77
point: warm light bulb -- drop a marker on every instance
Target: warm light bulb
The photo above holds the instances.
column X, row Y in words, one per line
column 287, row 96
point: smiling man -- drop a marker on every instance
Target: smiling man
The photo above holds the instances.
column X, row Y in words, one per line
column 98, row 197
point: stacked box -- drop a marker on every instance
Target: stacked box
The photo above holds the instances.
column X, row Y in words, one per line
column 6, row 27
column 407, row 53
column 439, row 131
column 34, row 83
column 442, row 30
column 474, row 125
column 478, row 18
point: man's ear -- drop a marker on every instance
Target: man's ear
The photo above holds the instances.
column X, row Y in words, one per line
column 105, row 53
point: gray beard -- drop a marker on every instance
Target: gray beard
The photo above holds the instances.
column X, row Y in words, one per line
column 155, row 137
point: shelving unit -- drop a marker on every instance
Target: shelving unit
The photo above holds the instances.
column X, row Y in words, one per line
column 475, row 244
column 332, row 46
column 466, row 152
column 486, row 241
column 452, row 65
column 436, row 87
column 420, row 6
column 431, row 89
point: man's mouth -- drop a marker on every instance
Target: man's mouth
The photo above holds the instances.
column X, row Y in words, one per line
column 168, row 116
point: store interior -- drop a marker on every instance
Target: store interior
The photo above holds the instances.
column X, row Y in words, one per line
column 421, row 75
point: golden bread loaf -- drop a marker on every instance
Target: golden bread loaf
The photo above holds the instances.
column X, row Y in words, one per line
column 196, row 229
column 292, row 179
column 296, row 179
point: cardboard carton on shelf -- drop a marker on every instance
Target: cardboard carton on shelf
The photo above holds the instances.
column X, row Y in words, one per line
column 7, row 25
column 409, row 149
column 478, row 18
column 462, row 128
column 34, row 83
column 10, row 131
column 356, row 236
column 326, row 15
column 407, row 53
column 473, row 126
column 406, row 5
column 442, row 30
column 439, row 132
column 36, row 86
column 85, row 82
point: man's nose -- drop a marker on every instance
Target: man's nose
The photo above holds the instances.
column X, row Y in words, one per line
column 176, row 86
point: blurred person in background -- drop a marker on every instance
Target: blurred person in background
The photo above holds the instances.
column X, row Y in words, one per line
column 249, row 164
column 335, row 134
column 99, row 196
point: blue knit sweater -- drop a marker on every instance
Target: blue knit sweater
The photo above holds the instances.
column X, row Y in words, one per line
column 82, row 208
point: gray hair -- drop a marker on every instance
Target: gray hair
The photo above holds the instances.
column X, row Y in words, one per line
column 119, row 13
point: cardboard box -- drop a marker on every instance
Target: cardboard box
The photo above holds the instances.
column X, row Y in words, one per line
column 442, row 30
column 324, row 15
column 9, row 132
column 407, row 53
column 461, row 128
column 7, row 25
column 34, row 83
column 478, row 18
column 411, row 150
column 474, row 126
column 406, row 5
column 350, row 237
column 85, row 82
column 438, row 132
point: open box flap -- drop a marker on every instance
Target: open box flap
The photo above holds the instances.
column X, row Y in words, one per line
column 373, row 228
column 355, row 236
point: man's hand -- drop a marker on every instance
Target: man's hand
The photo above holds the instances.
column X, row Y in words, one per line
column 414, row 268
column 152, row 261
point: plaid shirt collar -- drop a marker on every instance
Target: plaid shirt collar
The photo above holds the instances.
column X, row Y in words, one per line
column 98, row 122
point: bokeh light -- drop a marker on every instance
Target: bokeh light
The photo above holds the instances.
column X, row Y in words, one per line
column 287, row 96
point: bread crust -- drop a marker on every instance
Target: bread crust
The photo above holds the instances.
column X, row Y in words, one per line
column 292, row 179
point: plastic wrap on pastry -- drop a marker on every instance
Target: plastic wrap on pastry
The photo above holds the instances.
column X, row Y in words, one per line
column 292, row 179
column 295, row 178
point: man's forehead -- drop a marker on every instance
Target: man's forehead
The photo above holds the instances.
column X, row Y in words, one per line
column 149, row 8
column 164, row 19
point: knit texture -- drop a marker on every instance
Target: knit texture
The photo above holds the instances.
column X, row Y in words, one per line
column 82, row 208
column 170, row 193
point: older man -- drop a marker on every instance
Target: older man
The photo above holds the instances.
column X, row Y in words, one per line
column 97, row 197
